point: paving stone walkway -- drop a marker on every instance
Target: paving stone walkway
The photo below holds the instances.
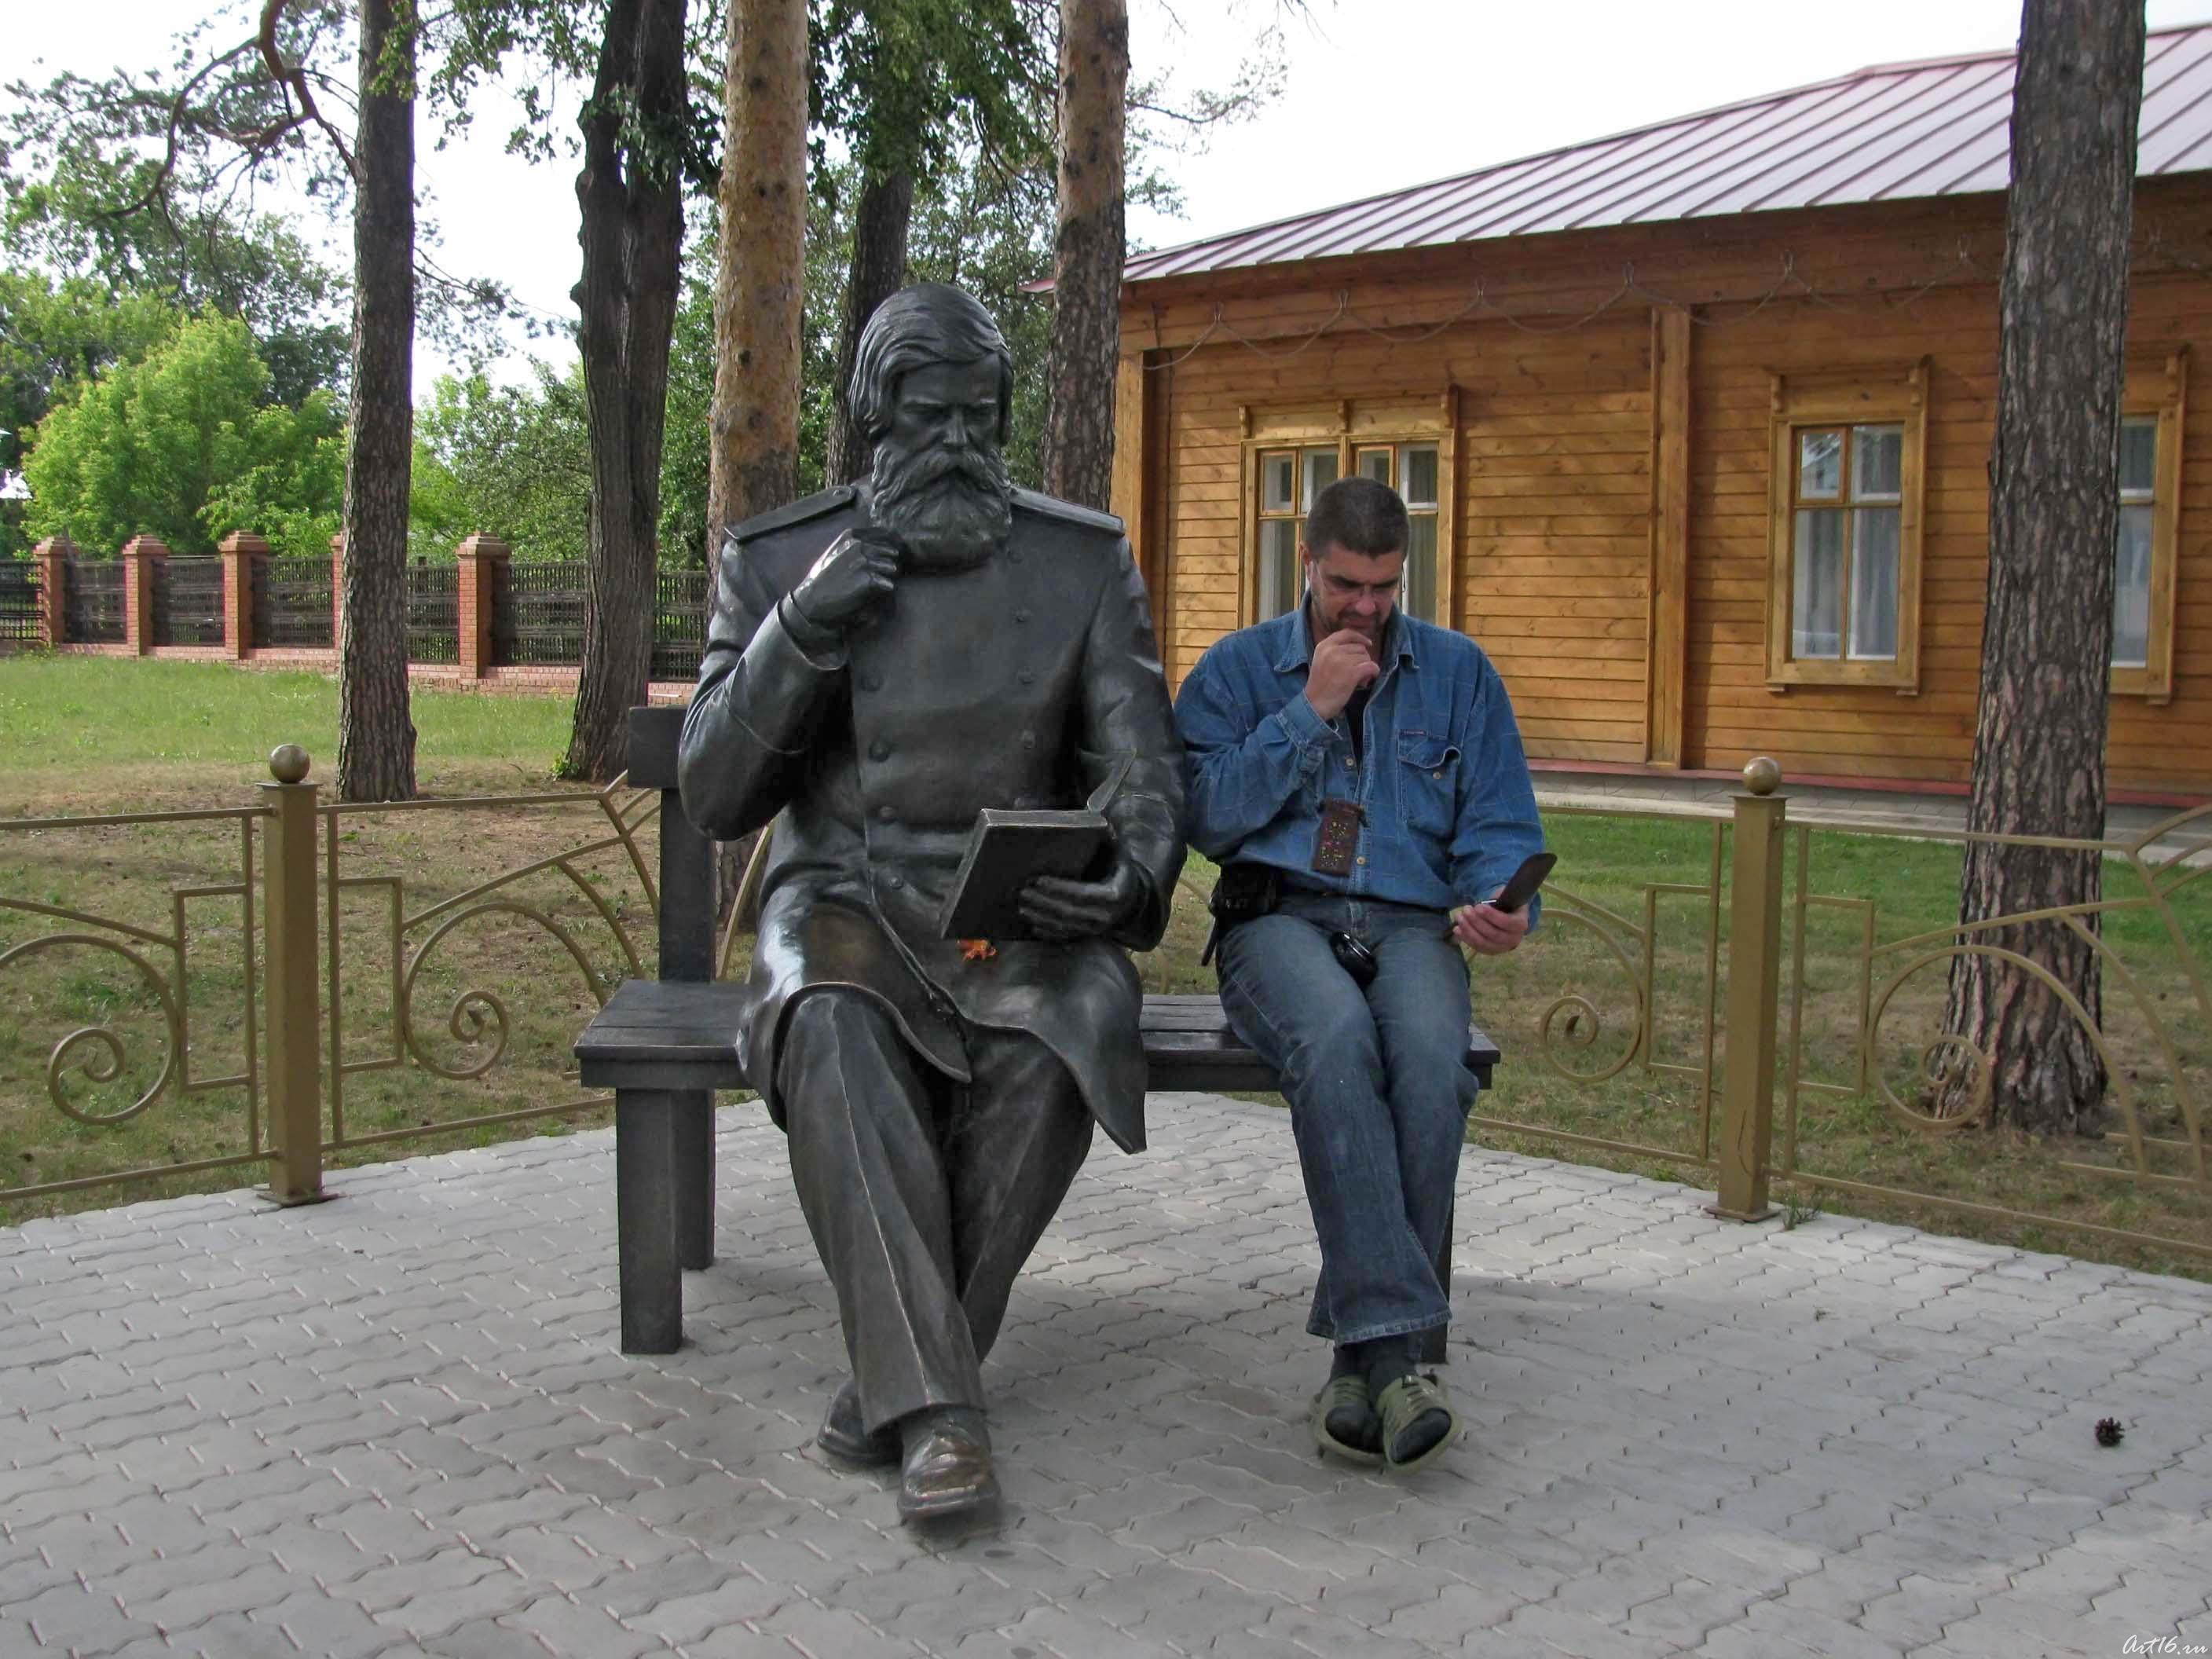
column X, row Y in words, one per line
column 397, row 1424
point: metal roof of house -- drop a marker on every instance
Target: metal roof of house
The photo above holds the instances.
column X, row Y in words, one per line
column 1892, row 133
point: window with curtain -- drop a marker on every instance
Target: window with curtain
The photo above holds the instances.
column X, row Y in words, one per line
column 1289, row 481
column 1843, row 549
column 1412, row 470
column 1290, row 452
column 2132, row 558
column 1844, row 544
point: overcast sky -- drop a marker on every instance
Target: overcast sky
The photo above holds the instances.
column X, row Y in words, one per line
column 1378, row 95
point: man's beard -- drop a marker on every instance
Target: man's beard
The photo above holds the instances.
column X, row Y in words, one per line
column 952, row 508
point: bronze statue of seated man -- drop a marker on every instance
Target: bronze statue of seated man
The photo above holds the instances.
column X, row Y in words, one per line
column 885, row 661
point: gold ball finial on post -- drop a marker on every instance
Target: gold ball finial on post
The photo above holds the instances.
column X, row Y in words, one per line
column 288, row 764
column 1762, row 775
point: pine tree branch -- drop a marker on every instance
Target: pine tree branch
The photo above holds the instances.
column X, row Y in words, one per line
column 295, row 79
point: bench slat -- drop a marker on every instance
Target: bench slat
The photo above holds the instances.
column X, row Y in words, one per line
column 670, row 1034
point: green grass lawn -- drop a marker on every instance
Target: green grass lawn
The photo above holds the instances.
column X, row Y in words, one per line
column 95, row 735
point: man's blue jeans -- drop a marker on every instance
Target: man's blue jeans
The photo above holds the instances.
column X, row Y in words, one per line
column 1379, row 1092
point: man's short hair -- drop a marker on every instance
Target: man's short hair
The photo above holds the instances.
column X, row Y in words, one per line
column 1358, row 515
column 928, row 322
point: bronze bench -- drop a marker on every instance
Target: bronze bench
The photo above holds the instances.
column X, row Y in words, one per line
column 664, row 1046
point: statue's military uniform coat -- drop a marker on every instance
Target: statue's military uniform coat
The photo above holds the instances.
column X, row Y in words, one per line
column 1016, row 683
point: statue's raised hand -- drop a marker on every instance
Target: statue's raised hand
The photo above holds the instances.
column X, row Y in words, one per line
column 853, row 578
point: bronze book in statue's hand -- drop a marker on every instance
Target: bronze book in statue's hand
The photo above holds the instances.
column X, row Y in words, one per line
column 1006, row 851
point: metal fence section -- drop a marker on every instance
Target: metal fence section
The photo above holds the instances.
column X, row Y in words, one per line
column 679, row 624
column 19, row 600
column 188, row 602
column 541, row 621
column 301, row 956
column 434, row 613
column 92, row 602
column 293, row 604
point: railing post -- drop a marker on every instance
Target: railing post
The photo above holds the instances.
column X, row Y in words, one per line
column 294, row 1074
column 245, row 556
column 53, row 556
column 338, row 591
column 144, row 559
column 483, row 559
column 1754, row 976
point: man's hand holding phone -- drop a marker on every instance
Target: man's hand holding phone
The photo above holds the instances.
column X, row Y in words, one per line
column 1498, row 925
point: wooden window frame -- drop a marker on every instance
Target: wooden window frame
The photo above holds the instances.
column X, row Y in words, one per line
column 1865, row 397
column 1351, row 424
column 2160, row 390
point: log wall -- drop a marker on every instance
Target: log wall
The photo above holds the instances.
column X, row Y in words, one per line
column 1581, row 504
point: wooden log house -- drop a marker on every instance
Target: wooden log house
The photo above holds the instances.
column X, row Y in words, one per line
column 1695, row 424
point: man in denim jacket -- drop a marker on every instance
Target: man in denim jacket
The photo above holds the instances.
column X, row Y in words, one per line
column 1407, row 724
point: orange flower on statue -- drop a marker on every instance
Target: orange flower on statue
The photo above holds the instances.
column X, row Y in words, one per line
column 977, row 950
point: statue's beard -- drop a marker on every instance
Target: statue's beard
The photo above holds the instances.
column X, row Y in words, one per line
column 952, row 508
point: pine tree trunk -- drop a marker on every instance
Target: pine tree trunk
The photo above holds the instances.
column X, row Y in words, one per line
column 376, row 737
column 760, row 277
column 878, row 271
column 1087, row 251
column 760, row 288
column 2046, row 645
column 631, row 197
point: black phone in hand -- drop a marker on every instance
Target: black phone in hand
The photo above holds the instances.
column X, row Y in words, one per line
column 1525, row 881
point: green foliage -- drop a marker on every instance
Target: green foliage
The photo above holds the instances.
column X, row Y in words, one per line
column 292, row 488
column 145, row 179
column 922, row 87
column 52, row 333
column 183, row 444
column 142, row 183
column 683, row 458
column 511, row 461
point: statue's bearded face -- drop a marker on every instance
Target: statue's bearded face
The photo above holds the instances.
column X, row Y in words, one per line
column 939, row 484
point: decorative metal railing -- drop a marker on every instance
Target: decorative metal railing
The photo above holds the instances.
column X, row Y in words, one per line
column 681, row 601
column 92, row 601
column 19, row 600
column 382, row 968
column 152, row 985
column 188, row 602
column 1761, row 1000
column 1630, row 1004
column 433, row 612
column 542, row 620
column 2153, row 1035
column 283, row 954
column 293, row 604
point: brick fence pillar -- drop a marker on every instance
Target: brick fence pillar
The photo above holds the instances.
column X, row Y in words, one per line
column 484, row 563
column 337, row 590
column 53, row 556
column 245, row 556
column 144, row 559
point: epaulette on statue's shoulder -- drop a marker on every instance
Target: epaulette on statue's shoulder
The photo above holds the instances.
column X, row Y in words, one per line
column 1052, row 507
column 798, row 511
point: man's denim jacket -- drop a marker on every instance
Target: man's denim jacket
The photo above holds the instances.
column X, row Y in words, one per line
column 1448, row 811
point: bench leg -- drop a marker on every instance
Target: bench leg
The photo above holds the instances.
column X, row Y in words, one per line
column 1435, row 1339
column 694, row 1153
column 647, row 1136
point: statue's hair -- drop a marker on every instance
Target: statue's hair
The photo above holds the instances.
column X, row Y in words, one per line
column 928, row 322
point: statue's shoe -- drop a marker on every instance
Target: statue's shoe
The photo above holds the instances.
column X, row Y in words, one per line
column 842, row 1435
column 948, row 1473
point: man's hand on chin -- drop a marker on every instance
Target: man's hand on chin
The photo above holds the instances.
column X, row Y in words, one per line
column 1059, row 910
